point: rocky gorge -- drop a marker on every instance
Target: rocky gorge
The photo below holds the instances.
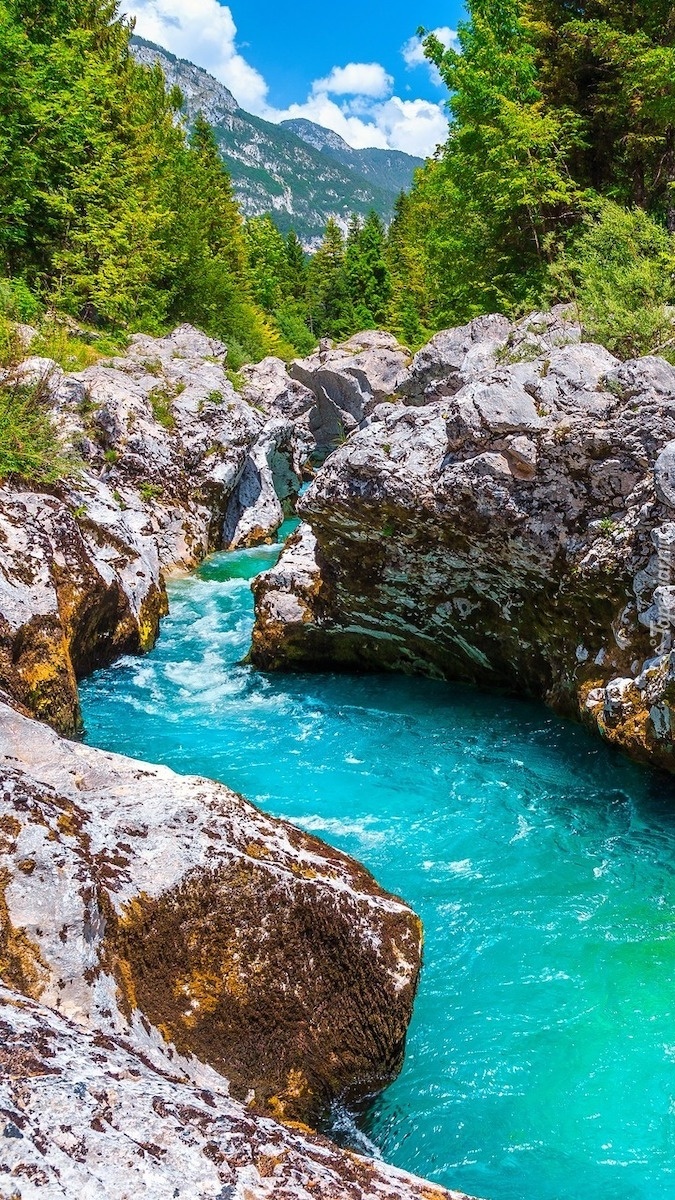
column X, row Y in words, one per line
column 179, row 967
column 504, row 517
column 187, row 983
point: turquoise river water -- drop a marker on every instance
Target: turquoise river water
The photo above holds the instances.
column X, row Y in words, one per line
column 541, row 1057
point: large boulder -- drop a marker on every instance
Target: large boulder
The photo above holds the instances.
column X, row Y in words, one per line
column 348, row 382
column 136, row 901
column 516, row 534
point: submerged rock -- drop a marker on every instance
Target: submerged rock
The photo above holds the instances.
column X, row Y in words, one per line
column 515, row 534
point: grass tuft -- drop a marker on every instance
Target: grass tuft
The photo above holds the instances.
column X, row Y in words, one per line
column 30, row 447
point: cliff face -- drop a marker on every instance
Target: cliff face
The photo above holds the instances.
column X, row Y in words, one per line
column 175, row 464
column 507, row 519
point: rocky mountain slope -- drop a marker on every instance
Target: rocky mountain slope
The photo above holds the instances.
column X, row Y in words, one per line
column 391, row 169
column 280, row 170
column 178, row 969
column 505, row 517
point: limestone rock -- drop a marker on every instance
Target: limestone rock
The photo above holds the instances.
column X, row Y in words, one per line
column 88, row 1115
column 78, row 585
column 453, row 357
column 136, row 900
column 664, row 475
column 348, row 382
column 170, row 454
column 272, row 475
column 269, row 387
column 456, row 357
column 514, row 533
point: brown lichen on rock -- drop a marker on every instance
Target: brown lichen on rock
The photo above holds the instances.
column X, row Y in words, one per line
column 21, row 963
column 256, row 973
column 287, row 969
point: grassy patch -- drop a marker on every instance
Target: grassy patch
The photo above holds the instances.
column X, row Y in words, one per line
column 72, row 351
column 237, row 379
column 162, row 407
column 150, row 491
column 11, row 346
column 29, row 444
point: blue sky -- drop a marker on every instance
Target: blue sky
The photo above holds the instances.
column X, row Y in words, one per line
column 355, row 68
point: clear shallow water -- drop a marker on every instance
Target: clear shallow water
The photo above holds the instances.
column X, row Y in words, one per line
column 541, row 1057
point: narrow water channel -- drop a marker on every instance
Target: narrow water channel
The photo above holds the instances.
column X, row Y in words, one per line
column 541, row 1058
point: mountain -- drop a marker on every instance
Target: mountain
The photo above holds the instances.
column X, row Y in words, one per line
column 390, row 169
column 298, row 171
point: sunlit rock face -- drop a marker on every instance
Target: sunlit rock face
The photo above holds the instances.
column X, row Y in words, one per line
column 174, row 463
column 136, row 900
column 507, row 520
column 89, row 1114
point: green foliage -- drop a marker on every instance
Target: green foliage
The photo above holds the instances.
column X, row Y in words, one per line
column 106, row 209
column 292, row 320
column 620, row 270
column 161, row 402
column 492, row 205
column 555, row 106
column 331, row 311
column 18, row 302
column 367, row 272
column 74, row 349
column 29, row 446
column 11, row 346
column 150, row 491
column 613, row 65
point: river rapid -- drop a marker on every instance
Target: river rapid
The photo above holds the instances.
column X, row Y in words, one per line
column 541, row 1057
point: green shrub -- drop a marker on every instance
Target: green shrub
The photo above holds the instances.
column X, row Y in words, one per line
column 293, row 328
column 18, row 302
column 29, row 445
column 620, row 271
column 150, row 491
column 162, row 407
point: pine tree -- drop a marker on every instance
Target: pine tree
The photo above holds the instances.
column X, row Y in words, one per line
column 368, row 279
column 331, row 311
column 297, row 267
column 405, row 258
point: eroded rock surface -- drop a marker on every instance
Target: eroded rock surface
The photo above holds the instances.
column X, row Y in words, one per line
column 88, row 1115
column 516, row 533
column 135, row 898
column 348, row 382
column 175, row 464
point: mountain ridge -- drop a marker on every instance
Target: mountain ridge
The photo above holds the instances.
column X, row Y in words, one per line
column 276, row 169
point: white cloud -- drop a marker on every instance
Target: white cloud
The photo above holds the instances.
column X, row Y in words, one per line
column 416, row 126
column 365, row 113
column 356, row 79
column 413, row 50
column 204, row 32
